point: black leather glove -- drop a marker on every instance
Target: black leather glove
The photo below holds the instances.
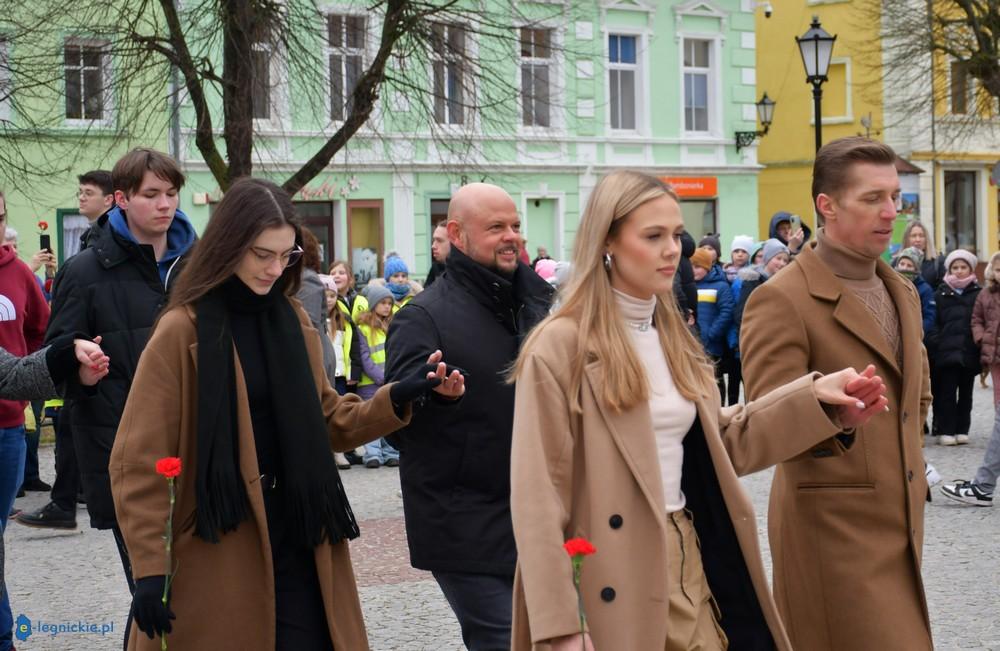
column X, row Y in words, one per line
column 151, row 616
column 415, row 386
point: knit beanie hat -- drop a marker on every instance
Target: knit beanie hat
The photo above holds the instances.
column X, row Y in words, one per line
column 960, row 254
column 393, row 266
column 701, row 258
column 741, row 243
column 376, row 294
column 546, row 269
column 773, row 247
column 914, row 254
column 712, row 241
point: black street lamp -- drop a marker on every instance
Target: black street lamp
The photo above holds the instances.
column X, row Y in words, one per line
column 816, row 47
column 765, row 113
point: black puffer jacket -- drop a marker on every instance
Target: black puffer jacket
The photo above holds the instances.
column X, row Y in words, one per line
column 455, row 458
column 951, row 343
column 112, row 289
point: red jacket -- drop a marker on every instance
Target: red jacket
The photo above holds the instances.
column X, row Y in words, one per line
column 24, row 314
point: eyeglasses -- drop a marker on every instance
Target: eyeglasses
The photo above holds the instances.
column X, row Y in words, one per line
column 265, row 257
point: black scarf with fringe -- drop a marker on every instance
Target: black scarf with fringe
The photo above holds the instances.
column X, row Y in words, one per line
column 316, row 505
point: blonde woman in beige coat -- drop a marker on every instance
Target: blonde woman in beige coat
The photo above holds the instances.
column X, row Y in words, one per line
column 619, row 437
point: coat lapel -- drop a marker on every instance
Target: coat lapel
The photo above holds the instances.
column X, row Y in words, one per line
column 848, row 310
column 630, row 430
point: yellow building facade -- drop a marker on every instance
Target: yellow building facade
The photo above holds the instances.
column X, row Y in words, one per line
column 787, row 151
column 950, row 192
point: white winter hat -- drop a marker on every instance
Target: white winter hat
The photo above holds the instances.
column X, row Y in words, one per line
column 961, row 254
column 741, row 242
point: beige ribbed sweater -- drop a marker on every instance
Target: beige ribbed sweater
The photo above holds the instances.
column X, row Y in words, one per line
column 857, row 272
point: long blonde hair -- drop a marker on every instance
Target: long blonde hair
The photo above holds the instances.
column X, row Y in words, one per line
column 588, row 300
column 929, row 251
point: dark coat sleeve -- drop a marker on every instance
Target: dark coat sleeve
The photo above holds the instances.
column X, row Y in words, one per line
column 411, row 340
column 355, row 352
column 724, row 316
column 69, row 315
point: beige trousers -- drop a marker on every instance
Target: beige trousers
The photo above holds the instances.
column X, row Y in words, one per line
column 693, row 624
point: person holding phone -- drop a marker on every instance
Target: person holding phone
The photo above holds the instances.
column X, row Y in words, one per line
column 790, row 230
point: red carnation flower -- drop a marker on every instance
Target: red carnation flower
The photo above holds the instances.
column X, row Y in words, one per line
column 579, row 547
column 169, row 466
column 43, row 225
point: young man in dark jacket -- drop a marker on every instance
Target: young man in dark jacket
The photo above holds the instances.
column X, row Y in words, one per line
column 455, row 458
column 116, row 288
column 96, row 198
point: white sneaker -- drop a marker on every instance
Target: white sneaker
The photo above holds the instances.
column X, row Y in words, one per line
column 946, row 439
column 961, row 439
column 933, row 476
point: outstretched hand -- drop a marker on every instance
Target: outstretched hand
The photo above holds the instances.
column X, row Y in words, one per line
column 94, row 363
column 451, row 386
column 432, row 375
column 857, row 396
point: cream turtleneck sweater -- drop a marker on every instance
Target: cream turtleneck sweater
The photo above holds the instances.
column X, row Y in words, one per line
column 672, row 414
column 857, row 272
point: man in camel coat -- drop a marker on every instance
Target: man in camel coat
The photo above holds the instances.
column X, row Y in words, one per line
column 846, row 518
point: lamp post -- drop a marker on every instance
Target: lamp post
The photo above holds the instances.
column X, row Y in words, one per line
column 816, row 47
column 765, row 114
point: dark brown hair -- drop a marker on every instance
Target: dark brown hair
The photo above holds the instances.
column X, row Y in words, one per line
column 310, row 251
column 832, row 168
column 249, row 207
column 98, row 178
column 128, row 171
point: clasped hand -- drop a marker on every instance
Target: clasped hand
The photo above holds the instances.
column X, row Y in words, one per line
column 93, row 362
column 857, row 396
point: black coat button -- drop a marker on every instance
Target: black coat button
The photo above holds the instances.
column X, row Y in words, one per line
column 909, row 475
column 608, row 594
column 615, row 521
column 905, row 416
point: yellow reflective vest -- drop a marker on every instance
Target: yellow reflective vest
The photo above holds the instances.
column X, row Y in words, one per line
column 376, row 348
column 348, row 337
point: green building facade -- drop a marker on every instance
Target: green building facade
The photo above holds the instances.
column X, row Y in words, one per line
column 593, row 86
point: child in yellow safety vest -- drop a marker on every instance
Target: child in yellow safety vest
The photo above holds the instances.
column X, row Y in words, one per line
column 372, row 328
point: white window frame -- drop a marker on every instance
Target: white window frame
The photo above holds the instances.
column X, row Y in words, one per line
column 641, row 82
column 365, row 52
column 278, row 92
column 848, row 90
column 107, row 83
column 6, row 79
column 444, row 59
column 711, row 73
column 556, row 63
column 715, row 117
column 470, row 101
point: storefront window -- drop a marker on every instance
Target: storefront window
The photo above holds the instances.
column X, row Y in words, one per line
column 318, row 217
column 364, row 236
column 699, row 218
column 960, row 211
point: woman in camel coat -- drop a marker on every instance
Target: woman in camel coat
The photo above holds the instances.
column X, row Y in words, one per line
column 261, row 522
column 620, row 438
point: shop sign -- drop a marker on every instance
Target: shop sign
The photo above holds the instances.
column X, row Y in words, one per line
column 693, row 186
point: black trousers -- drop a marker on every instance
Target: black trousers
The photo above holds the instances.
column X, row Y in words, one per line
column 734, row 370
column 127, row 567
column 482, row 604
column 67, row 484
column 953, row 399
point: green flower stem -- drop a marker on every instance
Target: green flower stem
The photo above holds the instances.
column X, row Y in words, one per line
column 577, row 572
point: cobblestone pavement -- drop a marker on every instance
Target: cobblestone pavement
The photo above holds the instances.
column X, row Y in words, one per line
column 66, row 577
